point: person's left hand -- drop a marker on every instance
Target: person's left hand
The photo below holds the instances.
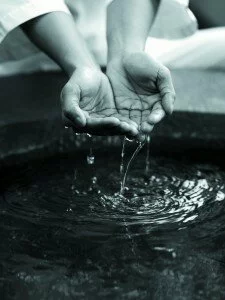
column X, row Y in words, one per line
column 88, row 105
column 142, row 89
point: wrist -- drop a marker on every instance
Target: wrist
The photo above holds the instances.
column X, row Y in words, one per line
column 122, row 50
column 71, row 64
column 118, row 60
column 87, row 73
column 117, row 47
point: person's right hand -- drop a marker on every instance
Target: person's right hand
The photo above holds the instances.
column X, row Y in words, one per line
column 88, row 105
column 142, row 88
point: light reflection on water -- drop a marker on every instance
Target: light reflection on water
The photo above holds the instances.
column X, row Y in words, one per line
column 164, row 200
column 74, row 235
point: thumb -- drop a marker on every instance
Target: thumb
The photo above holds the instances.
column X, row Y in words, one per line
column 70, row 98
column 166, row 89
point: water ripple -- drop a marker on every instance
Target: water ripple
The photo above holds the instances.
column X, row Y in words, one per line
column 171, row 194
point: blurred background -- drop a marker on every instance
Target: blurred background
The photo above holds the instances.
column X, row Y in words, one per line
column 210, row 13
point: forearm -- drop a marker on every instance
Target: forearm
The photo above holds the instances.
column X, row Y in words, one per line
column 128, row 25
column 56, row 34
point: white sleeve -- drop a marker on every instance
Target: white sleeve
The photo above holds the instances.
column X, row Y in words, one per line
column 15, row 12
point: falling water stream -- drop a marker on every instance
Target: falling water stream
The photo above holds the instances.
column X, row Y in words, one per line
column 147, row 163
column 122, row 158
column 123, row 182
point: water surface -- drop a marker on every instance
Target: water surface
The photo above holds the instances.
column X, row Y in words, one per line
column 66, row 233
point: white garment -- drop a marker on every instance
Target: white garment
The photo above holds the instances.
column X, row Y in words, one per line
column 19, row 55
column 203, row 50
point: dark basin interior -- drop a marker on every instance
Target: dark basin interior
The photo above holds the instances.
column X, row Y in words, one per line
column 65, row 231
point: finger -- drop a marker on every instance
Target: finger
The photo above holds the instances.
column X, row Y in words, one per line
column 130, row 126
column 128, row 130
column 166, row 89
column 104, row 122
column 108, row 126
column 128, row 121
column 100, row 126
column 99, row 131
column 103, row 126
column 70, row 97
column 146, row 128
column 168, row 102
column 142, row 138
column 157, row 114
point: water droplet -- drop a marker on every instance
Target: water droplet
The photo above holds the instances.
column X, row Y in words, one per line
column 220, row 196
column 90, row 159
column 69, row 209
column 94, row 180
column 128, row 139
column 199, row 173
column 174, row 255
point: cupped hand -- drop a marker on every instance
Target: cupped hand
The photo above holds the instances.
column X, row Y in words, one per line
column 88, row 105
column 143, row 89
